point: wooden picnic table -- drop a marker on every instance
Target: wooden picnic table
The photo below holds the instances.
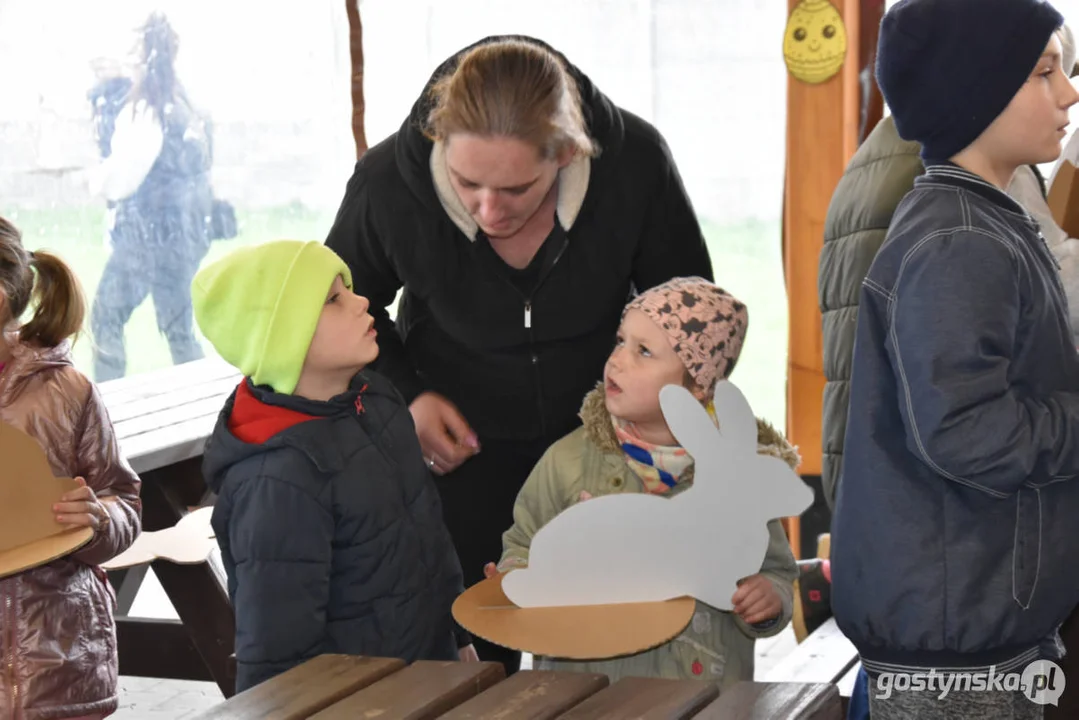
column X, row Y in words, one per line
column 162, row 420
column 340, row 687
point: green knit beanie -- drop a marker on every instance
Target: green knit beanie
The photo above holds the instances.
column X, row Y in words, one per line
column 259, row 306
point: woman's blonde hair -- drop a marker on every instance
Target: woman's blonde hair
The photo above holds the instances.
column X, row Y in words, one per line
column 511, row 88
column 45, row 280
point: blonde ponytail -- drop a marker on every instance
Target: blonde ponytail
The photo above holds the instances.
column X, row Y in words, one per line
column 45, row 281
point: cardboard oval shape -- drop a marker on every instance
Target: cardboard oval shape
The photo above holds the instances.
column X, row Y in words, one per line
column 29, row 534
column 592, row 632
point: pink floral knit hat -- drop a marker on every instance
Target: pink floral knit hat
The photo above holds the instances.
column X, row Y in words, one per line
column 705, row 325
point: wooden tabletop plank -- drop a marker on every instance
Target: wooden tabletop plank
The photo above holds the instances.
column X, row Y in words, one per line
column 169, row 417
column 166, row 416
column 646, row 699
column 765, row 701
column 168, row 445
column 180, row 397
column 304, row 690
column 422, row 691
column 165, row 380
column 530, row 695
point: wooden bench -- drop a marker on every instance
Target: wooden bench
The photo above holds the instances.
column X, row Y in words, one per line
column 339, row 687
column 825, row 656
column 162, row 421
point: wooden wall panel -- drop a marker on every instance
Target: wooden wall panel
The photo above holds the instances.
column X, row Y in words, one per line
column 823, row 120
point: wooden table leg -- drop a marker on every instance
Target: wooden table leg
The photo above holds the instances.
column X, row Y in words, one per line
column 194, row 590
column 127, row 582
column 158, row 649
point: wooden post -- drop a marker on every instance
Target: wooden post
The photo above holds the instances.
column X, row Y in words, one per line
column 872, row 102
column 823, row 120
column 355, row 46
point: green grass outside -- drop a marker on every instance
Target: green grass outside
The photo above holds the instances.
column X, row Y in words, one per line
column 77, row 235
column 745, row 257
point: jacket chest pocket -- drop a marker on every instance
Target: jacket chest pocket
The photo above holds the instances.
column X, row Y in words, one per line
column 1027, row 546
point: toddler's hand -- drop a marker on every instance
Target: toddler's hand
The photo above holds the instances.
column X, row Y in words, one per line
column 490, row 570
column 81, row 508
column 756, row 600
column 468, row 654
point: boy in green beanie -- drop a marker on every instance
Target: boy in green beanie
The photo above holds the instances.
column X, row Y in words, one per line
column 329, row 523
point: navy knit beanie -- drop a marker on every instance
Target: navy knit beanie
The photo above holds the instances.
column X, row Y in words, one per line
column 948, row 68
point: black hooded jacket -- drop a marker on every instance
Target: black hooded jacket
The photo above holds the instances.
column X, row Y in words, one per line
column 461, row 327
column 330, row 529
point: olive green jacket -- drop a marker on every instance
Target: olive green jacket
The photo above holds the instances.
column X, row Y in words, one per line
column 879, row 175
column 717, row 645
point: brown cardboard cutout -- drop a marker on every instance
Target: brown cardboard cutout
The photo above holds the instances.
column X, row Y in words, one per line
column 29, row 533
column 581, row 632
column 1063, row 198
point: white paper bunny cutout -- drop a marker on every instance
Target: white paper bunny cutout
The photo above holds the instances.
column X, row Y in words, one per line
column 636, row 547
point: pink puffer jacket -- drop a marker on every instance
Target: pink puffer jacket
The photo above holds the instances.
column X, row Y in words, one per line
column 57, row 635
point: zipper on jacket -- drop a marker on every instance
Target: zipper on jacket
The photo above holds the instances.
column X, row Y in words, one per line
column 528, row 326
column 9, row 655
column 359, row 401
column 378, row 443
column 1055, row 264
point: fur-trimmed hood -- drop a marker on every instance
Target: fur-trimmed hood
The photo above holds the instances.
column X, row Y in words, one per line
column 600, row 431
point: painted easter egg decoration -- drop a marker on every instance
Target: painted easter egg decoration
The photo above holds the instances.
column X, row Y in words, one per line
column 815, row 41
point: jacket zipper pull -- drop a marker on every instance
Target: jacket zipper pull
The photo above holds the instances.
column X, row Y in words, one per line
column 359, row 401
column 528, row 314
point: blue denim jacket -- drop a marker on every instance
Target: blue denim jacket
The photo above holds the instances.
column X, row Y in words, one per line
column 953, row 541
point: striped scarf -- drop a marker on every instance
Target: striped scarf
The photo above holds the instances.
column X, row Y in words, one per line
column 660, row 467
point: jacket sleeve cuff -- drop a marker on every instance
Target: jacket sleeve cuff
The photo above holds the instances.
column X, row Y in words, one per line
column 765, row 625
column 103, row 545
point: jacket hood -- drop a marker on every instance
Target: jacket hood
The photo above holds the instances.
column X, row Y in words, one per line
column 600, row 431
column 421, row 166
column 27, row 362
column 255, row 419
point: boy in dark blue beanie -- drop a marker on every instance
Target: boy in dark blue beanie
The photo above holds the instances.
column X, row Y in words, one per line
column 953, row 555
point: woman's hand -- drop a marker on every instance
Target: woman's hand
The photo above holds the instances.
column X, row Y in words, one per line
column 81, row 508
column 756, row 600
column 468, row 654
column 445, row 436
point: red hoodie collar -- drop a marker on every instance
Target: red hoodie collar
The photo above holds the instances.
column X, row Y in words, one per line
column 255, row 422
